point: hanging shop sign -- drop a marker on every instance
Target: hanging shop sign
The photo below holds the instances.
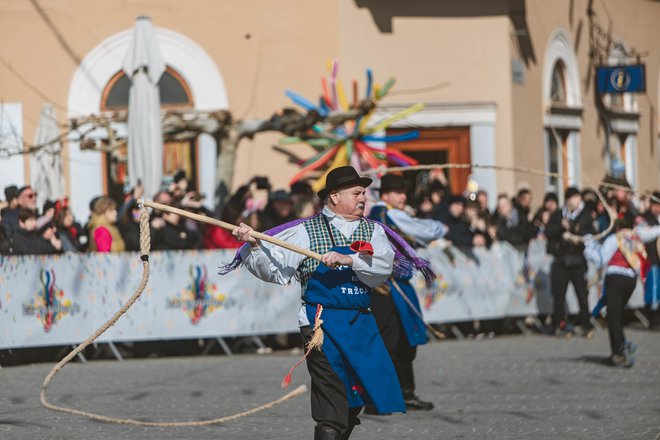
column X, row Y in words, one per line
column 621, row 79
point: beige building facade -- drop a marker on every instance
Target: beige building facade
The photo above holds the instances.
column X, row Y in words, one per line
column 507, row 83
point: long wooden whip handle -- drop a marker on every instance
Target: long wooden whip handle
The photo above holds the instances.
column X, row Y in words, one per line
column 230, row 227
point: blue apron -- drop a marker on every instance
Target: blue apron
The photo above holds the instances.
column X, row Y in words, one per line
column 652, row 288
column 352, row 343
column 412, row 325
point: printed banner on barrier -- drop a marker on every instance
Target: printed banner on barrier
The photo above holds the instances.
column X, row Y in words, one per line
column 59, row 300
column 494, row 283
column 63, row 299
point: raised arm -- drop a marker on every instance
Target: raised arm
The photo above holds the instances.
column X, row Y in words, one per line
column 423, row 231
column 272, row 263
column 647, row 233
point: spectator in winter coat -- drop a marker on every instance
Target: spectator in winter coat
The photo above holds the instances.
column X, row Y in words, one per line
column 26, row 198
column 26, row 240
column 459, row 232
column 278, row 211
column 175, row 235
column 542, row 215
column 68, row 230
column 511, row 224
column 129, row 226
column 103, row 232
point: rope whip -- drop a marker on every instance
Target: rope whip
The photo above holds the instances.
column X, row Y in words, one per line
column 567, row 235
column 145, row 244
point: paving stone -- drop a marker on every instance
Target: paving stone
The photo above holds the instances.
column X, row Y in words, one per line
column 511, row 387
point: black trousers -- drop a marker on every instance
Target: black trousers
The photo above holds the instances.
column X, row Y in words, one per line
column 618, row 289
column 396, row 342
column 328, row 396
column 560, row 275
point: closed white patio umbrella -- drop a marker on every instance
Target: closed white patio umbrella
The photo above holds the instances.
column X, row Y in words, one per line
column 144, row 65
column 47, row 175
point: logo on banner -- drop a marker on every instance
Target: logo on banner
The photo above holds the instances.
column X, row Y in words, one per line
column 620, row 80
column 50, row 304
column 433, row 293
column 200, row 297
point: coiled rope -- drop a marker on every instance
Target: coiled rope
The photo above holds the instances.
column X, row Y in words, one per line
column 145, row 245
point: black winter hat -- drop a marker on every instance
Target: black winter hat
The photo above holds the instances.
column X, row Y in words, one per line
column 11, row 192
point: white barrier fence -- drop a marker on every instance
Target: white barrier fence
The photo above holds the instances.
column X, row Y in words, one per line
column 496, row 283
column 60, row 300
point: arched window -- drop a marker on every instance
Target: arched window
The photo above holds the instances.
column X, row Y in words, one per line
column 563, row 112
column 558, row 84
column 173, row 91
column 177, row 155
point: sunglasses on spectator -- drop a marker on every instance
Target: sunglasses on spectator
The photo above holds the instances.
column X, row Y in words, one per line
column 30, row 195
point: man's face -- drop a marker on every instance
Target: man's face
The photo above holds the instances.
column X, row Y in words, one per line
column 349, row 202
column 163, row 198
column 456, row 209
column 28, row 199
column 396, row 199
column 525, row 200
column 283, row 208
column 551, row 205
column 573, row 202
column 504, row 206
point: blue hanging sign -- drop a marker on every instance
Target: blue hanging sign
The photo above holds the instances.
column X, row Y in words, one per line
column 621, row 79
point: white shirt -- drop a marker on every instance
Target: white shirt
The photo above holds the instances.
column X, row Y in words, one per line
column 277, row 265
column 424, row 231
column 601, row 255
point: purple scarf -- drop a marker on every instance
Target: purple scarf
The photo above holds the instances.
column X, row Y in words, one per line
column 406, row 260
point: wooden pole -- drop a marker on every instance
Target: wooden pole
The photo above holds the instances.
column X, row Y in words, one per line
column 229, row 227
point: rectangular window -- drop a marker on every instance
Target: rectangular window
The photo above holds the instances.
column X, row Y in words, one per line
column 552, row 161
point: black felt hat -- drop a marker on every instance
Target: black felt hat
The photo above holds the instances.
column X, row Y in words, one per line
column 392, row 182
column 343, row 177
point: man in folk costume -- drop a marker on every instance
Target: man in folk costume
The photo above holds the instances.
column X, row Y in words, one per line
column 624, row 255
column 396, row 306
column 652, row 285
column 568, row 262
column 350, row 366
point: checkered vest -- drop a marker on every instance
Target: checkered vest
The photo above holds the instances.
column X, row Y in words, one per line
column 320, row 242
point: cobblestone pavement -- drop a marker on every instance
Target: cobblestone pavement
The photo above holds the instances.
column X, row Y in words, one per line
column 506, row 388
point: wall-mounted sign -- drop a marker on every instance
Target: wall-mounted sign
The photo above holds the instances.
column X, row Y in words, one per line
column 621, row 79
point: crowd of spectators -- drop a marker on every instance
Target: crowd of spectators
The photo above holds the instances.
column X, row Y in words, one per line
column 114, row 226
